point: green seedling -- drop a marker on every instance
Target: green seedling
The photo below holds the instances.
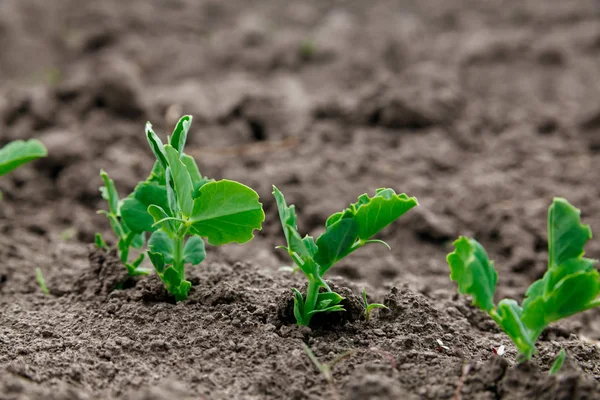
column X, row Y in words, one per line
column 126, row 237
column 558, row 363
column 182, row 207
column 20, row 152
column 346, row 232
column 327, row 369
column 41, row 281
column 570, row 285
column 369, row 307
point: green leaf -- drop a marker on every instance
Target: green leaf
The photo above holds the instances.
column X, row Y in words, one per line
column 135, row 215
column 158, row 260
column 197, row 179
column 287, row 215
column 138, row 240
column 380, row 211
column 558, row 363
column 161, row 243
column 172, row 279
column 110, row 194
column 509, row 319
column 566, row 234
column 179, row 136
column 298, row 307
column 310, row 245
column 158, row 214
column 156, row 145
column 181, row 180
column 171, row 197
column 328, row 299
column 194, row 252
column 336, row 243
column 100, row 243
column 227, row 211
column 20, row 152
column 473, row 271
column 328, row 309
column 136, row 263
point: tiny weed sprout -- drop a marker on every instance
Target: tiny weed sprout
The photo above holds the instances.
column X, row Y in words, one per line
column 41, row 281
column 327, row 369
column 127, row 238
column 20, row 152
column 181, row 207
column 346, row 231
column 558, row 363
column 369, row 307
column 570, row 285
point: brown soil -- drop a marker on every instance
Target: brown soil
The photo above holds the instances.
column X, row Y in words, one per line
column 483, row 110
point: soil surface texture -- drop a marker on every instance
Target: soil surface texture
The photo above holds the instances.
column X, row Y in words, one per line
column 483, row 110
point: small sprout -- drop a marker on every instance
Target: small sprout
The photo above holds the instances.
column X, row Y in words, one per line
column 182, row 207
column 499, row 351
column 442, row 346
column 558, row 363
column 570, row 285
column 307, row 49
column 369, row 307
column 326, row 369
column 128, row 238
column 41, row 281
column 68, row 234
column 346, row 232
column 100, row 243
column 20, row 152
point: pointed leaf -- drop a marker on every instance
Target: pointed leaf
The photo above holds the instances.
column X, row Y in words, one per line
column 558, row 363
column 328, row 299
column 158, row 260
column 158, row 214
column 474, row 272
column 194, row 252
column 328, row 309
column 227, row 211
column 179, row 136
column 181, row 180
column 298, row 307
column 110, row 193
column 156, row 145
column 566, row 234
column 310, row 245
column 336, row 243
column 20, row 152
column 171, row 198
column 197, row 179
column 287, row 215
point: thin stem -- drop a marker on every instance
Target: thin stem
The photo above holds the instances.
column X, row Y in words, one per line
column 178, row 243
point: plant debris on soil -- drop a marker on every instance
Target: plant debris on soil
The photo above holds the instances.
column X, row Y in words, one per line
column 484, row 111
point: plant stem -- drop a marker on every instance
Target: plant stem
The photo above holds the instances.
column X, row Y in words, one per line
column 178, row 255
column 312, row 293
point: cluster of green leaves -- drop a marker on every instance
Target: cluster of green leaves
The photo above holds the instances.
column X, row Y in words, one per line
column 346, row 232
column 20, row 152
column 570, row 285
column 179, row 207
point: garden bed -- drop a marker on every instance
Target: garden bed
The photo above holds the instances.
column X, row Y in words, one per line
column 484, row 112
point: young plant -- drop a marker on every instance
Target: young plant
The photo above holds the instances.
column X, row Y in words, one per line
column 186, row 209
column 369, row 307
column 570, row 285
column 346, row 232
column 20, row 152
column 558, row 362
column 127, row 238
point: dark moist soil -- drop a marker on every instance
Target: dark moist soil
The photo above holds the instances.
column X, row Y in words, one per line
column 483, row 110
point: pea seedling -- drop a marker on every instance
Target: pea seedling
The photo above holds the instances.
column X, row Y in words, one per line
column 127, row 238
column 369, row 307
column 346, row 232
column 189, row 208
column 570, row 285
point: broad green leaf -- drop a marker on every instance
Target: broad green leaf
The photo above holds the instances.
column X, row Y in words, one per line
column 156, row 145
column 20, row 152
column 110, row 193
column 161, row 243
column 566, row 234
column 380, row 211
column 158, row 214
column 474, row 272
column 227, row 211
column 158, row 260
column 510, row 321
column 336, row 243
column 172, row 278
column 197, row 179
column 181, row 180
column 572, row 295
column 180, row 133
column 287, row 215
column 554, row 275
column 135, row 216
column 194, row 252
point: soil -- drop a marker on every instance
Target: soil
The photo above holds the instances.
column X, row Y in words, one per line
column 482, row 110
